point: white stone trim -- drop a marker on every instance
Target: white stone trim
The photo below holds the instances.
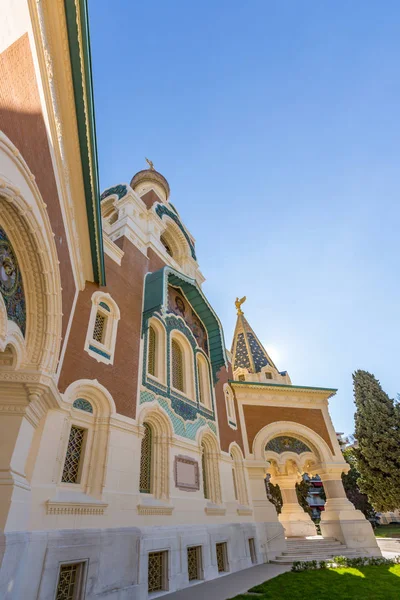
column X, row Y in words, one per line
column 103, row 352
column 24, row 217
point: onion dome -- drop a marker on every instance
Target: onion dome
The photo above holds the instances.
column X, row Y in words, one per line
column 150, row 178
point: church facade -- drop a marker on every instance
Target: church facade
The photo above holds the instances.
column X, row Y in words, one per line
column 134, row 445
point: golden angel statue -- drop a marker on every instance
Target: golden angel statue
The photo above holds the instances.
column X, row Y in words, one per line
column 238, row 304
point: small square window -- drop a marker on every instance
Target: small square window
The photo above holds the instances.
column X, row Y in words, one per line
column 195, row 566
column 252, row 548
column 222, row 557
column 242, row 378
column 158, row 571
column 268, row 375
column 70, row 582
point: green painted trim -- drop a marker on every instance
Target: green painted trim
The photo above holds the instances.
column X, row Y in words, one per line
column 156, row 298
column 282, row 385
column 83, row 88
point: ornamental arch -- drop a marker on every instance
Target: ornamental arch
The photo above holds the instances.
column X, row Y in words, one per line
column 314, row 450
column 24, row 219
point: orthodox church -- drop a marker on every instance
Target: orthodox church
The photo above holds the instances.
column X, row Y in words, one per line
column 134, row 445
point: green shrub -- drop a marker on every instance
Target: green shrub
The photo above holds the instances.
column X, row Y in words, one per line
column 344, row 561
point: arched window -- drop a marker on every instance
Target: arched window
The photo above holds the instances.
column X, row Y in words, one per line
column 145, row 460
column 235, row 490
column 230, row 406
column 154, row 459
column 210, row 469
column 152, row 352
column 238, row 476
column 177, row 362
column 166, row 245
column 102, row 331
column 204, row 381
column 203, row 466
column 155, row 357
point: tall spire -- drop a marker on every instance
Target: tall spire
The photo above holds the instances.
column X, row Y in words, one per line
column 247, row 350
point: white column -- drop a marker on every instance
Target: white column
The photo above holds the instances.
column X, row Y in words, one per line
column 341, row 520
column 270, row 532
column 20, row 413
column 295, row 520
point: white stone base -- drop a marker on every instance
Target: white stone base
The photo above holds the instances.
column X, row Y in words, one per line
column 348, row 525
column 296, row 522
column 116, row 559
column 357, row 534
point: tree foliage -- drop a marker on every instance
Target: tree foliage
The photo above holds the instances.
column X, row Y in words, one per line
column 377, row 430
column 274, row 495
column 350, row 484
column 302, row 491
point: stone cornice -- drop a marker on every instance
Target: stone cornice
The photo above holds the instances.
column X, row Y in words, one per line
column 279, row 388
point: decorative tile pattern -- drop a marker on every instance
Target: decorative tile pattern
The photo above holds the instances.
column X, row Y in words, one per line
column 186, row 415
column 287, row 444
column 182, row 427
column 11, row 285
column 83, row 404
column 98, row 351
column 242, row 356
column 162, row 210
column 257, row 351
column 120, row 190
column 73, row 457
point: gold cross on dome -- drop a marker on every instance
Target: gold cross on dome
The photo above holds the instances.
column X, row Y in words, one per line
column 151, row 165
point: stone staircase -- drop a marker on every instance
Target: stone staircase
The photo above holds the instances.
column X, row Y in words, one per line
column 314, row 548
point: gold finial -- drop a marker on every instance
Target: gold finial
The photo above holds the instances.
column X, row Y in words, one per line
column 150, row 163
column 238, row 304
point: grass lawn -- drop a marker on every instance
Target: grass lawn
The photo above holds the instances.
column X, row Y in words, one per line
column 366, row 583
column 388, row 530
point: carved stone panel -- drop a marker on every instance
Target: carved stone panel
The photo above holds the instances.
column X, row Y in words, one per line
column 186, row 471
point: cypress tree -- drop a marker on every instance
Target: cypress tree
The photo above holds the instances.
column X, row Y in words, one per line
column 378, row 435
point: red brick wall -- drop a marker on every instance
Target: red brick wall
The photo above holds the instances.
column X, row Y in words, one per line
column 21, row 119
column 226, row 433
column 125, row 284
column 256, row 417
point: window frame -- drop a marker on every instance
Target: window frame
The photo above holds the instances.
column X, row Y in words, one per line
column 199, row 561
column 79, row 593
column 224, row 545
column 164, row 574
column 188, row 366
column 82, row 454
column 103, row 351
column 252, row 550
column 204, row 381
column 230, row 406
column 160, row 351
column 82, row 420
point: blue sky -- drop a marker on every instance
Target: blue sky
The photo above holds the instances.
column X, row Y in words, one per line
column 277, row 126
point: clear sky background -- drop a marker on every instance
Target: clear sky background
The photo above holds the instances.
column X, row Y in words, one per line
column 277, row 125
